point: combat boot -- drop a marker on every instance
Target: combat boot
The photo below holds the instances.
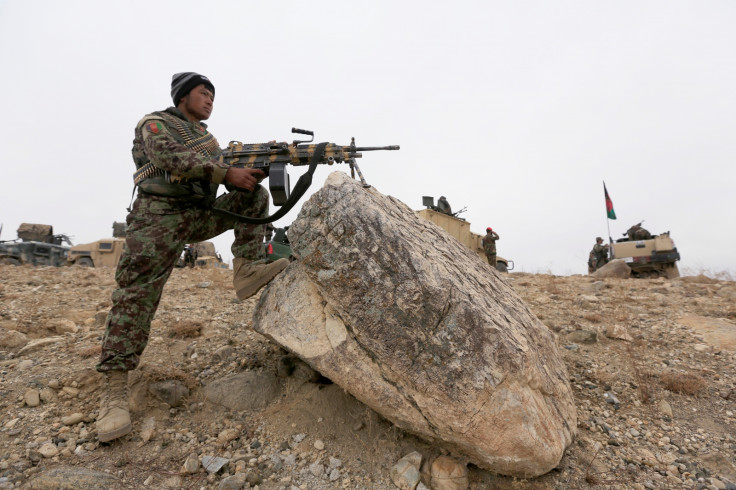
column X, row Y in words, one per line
column 249, row 277
column 113, row 420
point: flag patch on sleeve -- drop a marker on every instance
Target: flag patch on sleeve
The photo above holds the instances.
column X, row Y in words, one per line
column 154, row 127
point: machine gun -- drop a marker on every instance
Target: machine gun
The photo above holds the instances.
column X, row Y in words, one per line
column 272, row 158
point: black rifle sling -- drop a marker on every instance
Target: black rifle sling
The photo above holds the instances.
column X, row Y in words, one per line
column 299, row 189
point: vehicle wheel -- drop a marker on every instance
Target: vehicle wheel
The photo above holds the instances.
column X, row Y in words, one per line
column 10, row 261
column 85, row 262
column 501, row 267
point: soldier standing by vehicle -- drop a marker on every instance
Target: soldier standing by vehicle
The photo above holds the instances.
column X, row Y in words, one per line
column 444, row 206
column 177, row 175
column 190, row 255
column 489, row 245
column 598, row 256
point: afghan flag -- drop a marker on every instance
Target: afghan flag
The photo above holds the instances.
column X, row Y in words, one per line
column 609, row 204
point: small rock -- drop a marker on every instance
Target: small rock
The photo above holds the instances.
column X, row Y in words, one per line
column 319, row 445
column 227, row 435
column 317, row 469
column 448, row 474
column 148, row 429
column 48, row 450
column 191, row 464
column 405, row 473
column 213, row 464
column 32, row 398
column 72, row 419
column 664, row 408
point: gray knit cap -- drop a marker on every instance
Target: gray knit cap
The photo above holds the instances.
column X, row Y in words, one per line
column 183, row 83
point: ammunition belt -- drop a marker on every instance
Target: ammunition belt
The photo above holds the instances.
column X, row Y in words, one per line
column 206, row 145
column 147, row 171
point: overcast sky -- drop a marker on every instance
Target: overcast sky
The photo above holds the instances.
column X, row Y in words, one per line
column 516, row 110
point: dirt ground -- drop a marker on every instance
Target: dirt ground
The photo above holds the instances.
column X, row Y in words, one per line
column 652, row 363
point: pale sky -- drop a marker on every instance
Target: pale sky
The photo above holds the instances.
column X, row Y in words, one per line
column 518, row 110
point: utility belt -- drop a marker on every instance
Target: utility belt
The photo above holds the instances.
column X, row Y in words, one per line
column 158, row 183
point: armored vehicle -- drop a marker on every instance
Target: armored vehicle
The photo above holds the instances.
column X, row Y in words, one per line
column 36, row 245
column 655, row 257
column 207, row 256
column 102, row 253
column 278, row 247
column 460, row 229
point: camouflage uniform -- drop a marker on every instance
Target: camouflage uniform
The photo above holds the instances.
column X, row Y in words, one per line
column 444, row 206
column 598, row 257
column 636, row 232
column 159, row 227
column 489, row 246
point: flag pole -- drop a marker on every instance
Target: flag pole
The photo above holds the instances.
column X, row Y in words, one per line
column 608, row 220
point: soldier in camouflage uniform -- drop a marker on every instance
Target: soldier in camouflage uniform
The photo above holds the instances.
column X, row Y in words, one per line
column 636, row 232
column 598, row 256
column 178, row 173
column 489, row 245
column 444, row 205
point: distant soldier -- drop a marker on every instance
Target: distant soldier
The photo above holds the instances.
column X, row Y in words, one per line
column 190, row 255
column 636, row 232
column 598, row 256
column 269, row 232
column 489, row 245
column 444, row 206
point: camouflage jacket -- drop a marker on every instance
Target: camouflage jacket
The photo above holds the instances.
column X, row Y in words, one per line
column 600, row 252
column 181, row 171
column 489, row 242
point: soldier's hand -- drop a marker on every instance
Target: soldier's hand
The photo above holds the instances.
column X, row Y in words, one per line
column 245, row 178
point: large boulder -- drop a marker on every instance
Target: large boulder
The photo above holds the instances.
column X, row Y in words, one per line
column 615, row 268
column 421, row 329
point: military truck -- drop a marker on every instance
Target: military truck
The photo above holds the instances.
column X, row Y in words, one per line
column 278, row 246
column 460, row 229
column 101, row 253
column 36, row 245
column 655, row 257
column 207, row 256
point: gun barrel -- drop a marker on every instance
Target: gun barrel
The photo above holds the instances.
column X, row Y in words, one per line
column 375, row 148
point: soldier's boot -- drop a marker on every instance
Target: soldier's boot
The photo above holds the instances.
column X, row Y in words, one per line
column 113, row 420
column 249, row 277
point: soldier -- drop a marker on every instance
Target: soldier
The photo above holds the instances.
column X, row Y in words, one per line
column 190, row 255
column 636, row 232
column 177, row 175
column 489, row 245
column 444, row 206
column 598, row 256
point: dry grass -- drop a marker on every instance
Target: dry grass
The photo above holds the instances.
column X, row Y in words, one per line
column 185, row 329
column 719, row 275
column 684, row 383
column 156, row 372
column 644, row 379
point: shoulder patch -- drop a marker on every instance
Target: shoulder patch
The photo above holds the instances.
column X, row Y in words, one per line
column 154, row 127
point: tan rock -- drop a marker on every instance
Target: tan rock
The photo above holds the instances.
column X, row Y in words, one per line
column 441, row 348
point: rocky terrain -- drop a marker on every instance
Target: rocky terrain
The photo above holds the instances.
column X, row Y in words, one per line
column 652, row 363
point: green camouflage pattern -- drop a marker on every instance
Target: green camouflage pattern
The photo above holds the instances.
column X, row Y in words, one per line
column 489, row 247
column 196, row 175
column 32, row 252
column 158, row 229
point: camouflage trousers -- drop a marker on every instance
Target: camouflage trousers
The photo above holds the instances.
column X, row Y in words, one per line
column 158, row 230
column 491, row 259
